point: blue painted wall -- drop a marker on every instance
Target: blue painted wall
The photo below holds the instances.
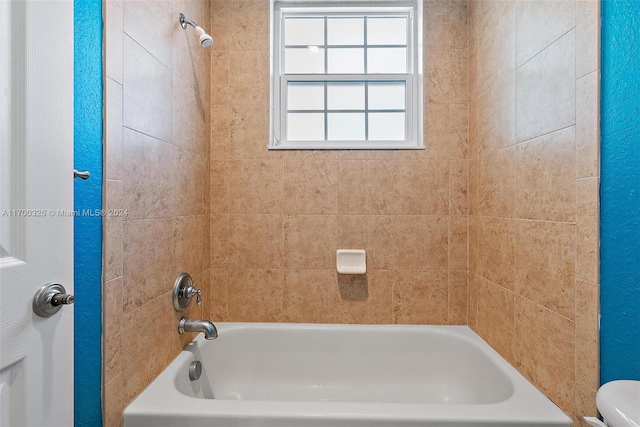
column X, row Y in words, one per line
column 88, row 195
column 620, row 191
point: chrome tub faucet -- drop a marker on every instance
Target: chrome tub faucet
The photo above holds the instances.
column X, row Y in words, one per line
column 183, row 291
column 205, row 326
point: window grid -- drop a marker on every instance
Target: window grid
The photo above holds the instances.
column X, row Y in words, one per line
column 326, row 68
column 326, row 116
column 325, row 46
column 366, row 93
column 412, row 70
column 366, row 52
column 326, row 52
column 366, row 84
column 325, row 110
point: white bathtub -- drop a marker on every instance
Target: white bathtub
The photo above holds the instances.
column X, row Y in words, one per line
column 294, row 375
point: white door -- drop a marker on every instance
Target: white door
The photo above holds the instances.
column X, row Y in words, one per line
column 36, row 189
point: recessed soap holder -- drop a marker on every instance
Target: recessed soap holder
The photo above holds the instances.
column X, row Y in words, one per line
column 183, row 291
column 351, row 261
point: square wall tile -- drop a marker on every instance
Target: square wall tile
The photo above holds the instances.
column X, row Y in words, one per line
column 113, row 231
column 496, row 243
column 496, row 183
column 546, row 177
column 496, row 48
column 311, row 185
column 112, row 324
column 191, row 243
column 113, row 130
column 113, row 38
column 318, row 296
column 585, row 403
column 539, row 23
column 588, row 17
column 588, row 125
column 148, row 261
column 219, row 294
column 446, row 75
column 458, row 242
column 496, row 115
column 255, row 186
column 458, row 187
column 545, row 264
column 147, row 92
column 472, row 301
column 544, row 351
column 255, row 241
column 310, row 241
column 373, row 233
column 149, row 173
column 588, row 230
column 458, row 298
column 446, row 131
column 496, row 308
column 420, row 242
column 152, row 24
column 587, row 333
column 546, row 90
column 114, row 402
column 159, row 347
column 255, row 295
column 420, row 297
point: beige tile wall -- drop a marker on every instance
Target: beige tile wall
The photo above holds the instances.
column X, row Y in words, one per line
column 533, row 190
column 277, row 217
column 494, row 224
column 157, row 93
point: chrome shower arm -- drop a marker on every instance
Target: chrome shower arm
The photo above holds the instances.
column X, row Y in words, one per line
column 184, row 21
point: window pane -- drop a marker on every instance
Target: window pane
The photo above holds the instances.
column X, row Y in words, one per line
column 345, row 96
column 345, row 31
column 344, row 61
column 304, row 61
column 386, row 60
column 345, row 127
column 386, row 126
column 305, row 126
column 305, row 96
column 387, row 96
column 387, row 31
column 304, row 31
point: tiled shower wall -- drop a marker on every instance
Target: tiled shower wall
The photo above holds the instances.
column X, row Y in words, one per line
column 533, row 193
column 157, row 169
column 278, row 217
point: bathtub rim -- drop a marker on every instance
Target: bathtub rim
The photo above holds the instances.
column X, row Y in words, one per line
column 527, row 404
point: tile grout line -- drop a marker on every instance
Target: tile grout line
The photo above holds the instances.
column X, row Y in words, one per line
column 545, row 48
column 575, row 243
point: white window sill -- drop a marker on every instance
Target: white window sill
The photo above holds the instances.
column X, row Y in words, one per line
column 347, row 145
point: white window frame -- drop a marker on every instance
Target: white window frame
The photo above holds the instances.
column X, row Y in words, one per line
column 279, row 9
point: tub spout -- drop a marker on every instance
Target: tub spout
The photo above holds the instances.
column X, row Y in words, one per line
column 205, row 326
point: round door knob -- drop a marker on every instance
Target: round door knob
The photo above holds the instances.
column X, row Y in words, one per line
column 50, row 298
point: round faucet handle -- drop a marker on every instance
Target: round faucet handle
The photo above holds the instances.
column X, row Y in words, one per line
column 191, row 291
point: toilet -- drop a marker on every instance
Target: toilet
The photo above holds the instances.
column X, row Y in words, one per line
column 619, row 404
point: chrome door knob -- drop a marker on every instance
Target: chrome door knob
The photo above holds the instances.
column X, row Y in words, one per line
column 81, row 175
column 50, row 298
column 62, row 299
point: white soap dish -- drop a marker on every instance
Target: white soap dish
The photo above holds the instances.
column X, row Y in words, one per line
column 351, row 261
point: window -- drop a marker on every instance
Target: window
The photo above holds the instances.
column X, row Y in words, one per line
column 345, row 76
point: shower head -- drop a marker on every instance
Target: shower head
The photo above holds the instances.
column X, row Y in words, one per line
column 205, row 39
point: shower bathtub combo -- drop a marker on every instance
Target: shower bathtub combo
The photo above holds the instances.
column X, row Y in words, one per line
column 288, row 375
